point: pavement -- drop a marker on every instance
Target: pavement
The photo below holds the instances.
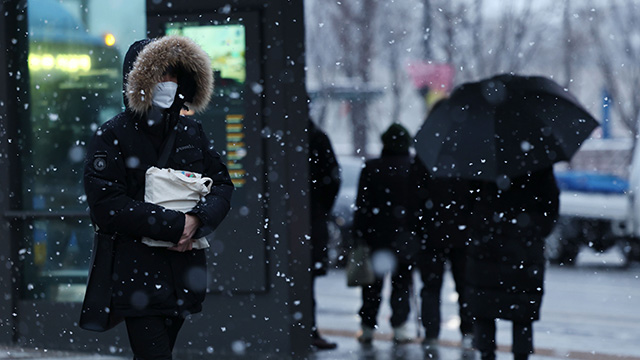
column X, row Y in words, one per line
column 574, row 325
column 384, row 349
column 590, row 312
column 348, row 349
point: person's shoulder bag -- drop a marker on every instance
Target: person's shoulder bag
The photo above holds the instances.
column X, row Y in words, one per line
column 359, row 266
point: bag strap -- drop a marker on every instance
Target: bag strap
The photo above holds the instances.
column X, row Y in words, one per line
column 167, row 148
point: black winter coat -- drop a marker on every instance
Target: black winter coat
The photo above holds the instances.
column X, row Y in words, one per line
column 445, row 206
column 506, row 263
column 148, row 280
column 385, row 206
column 324, row 181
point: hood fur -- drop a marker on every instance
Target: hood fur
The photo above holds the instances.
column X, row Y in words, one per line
column 158, row 55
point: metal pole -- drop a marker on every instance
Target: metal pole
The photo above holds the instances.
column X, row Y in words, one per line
column 426, row 36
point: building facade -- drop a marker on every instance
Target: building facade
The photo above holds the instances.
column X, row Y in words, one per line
column 62, row 77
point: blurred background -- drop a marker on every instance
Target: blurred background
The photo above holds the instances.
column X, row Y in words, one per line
column 369, row 63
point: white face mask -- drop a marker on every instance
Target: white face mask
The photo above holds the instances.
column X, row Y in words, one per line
column 164, row 93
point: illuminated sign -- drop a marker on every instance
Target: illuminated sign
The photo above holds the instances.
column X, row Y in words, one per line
column 62, row 62
column 225, row 45
column 236, row 149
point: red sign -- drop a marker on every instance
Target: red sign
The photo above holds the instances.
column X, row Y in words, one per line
column 437, row 77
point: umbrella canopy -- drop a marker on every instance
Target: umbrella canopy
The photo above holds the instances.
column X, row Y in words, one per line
column 507, row 125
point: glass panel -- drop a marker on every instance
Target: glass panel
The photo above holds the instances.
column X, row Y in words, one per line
column 75, row 84
column 57, row 256
column 233, row 121
column 225, row 45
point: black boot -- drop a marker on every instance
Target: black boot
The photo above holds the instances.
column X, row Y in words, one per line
column 487, row 355
column 520, row 356
column 321, row 343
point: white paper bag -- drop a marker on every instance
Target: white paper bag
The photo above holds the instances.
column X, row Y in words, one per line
column 176, row 190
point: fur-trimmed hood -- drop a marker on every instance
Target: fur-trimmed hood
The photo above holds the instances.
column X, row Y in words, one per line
column 153, row 58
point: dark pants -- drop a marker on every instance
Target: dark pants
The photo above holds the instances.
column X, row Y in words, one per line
column 432, row 267
column 314, row 326
column 485, row 336
column 400, row 291
column 153, row 337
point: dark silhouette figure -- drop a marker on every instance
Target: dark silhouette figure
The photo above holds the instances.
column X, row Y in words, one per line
column 506, row 264
column 445, row 234
column 324, row 178
column 384, row 219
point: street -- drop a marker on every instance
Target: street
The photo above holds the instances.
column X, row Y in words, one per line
column 590, row 312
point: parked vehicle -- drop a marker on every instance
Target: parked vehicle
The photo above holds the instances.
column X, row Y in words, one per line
column 598, row 211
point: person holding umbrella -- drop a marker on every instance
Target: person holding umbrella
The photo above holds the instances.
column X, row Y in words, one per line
column 506, row 263
column 504, row 134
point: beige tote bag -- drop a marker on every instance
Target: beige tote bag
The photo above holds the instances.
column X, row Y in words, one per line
column 176, row 190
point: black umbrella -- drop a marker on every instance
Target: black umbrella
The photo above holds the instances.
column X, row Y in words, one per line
column 506, row 125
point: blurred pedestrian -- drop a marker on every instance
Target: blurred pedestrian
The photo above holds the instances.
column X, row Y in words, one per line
column 383, row 220
column 506, row 264
column 324, row 178
column 445, row 233
column 445, row 206
column 155, row 288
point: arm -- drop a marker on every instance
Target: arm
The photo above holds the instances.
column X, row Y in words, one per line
column 215, row 206
column 361, row 216
column 548, row 200
column 324, row 174
column 111, row 197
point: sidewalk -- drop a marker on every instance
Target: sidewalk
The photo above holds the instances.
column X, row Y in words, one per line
column 19, row 353
column 557, row 336
column 349, row 349
column 384, row 349
column 589, row 313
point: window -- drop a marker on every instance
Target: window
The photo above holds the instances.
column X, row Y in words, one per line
column 75, row 84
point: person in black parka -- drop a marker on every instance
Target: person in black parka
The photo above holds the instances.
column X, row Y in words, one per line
column 324, row 181
column 383, row 219
column 506, row 262
column 155, row 288
column 445, row 233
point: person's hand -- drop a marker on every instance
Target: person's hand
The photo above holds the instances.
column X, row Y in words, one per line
column 183, row 245
column 191, row 224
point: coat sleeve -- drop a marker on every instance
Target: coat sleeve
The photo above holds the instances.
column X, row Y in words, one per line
column 324, row 174
column 421, row 216
column 362, row 215
column 548, row 201
column 215, row 206
column 111, row 198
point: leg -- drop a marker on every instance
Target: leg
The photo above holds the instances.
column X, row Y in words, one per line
column 457, row 258
column 174, row 324
column 316, row 340
column 401, row 282
column 484, row 338
column 153, row 337
column 314, row 329
column 371, row 298
column 431, row 271
column 522, row 339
